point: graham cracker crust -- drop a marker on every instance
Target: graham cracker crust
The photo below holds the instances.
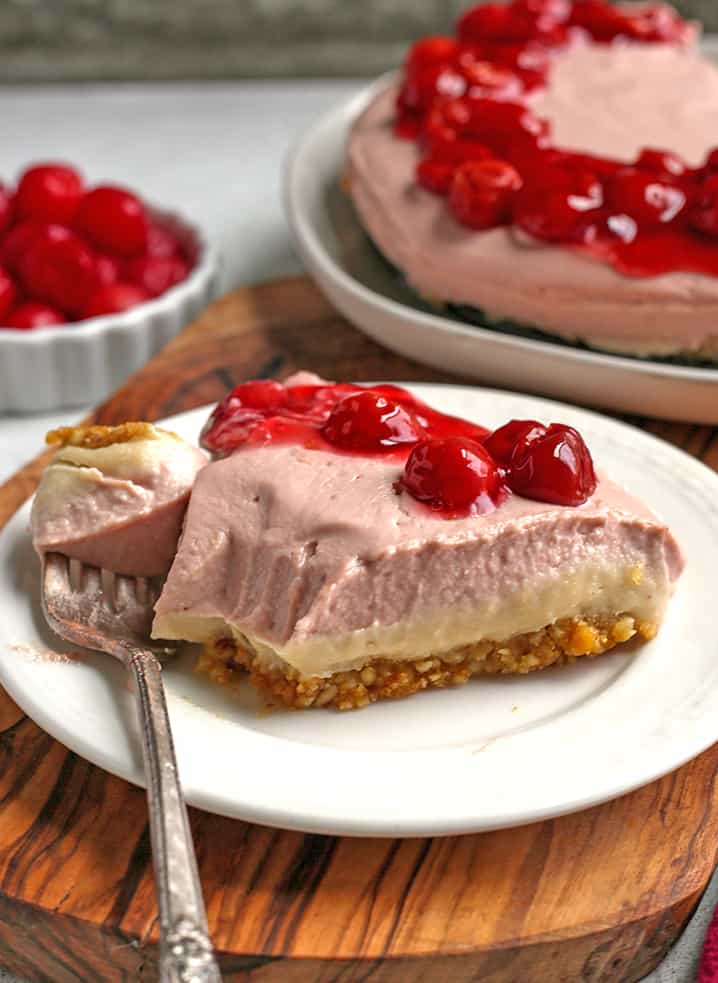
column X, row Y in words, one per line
column 226, row 661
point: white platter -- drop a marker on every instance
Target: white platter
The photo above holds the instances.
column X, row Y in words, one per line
column 497, row 752
column 361, row 285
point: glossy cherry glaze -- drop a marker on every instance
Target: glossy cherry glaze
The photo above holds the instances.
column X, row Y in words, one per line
column 463, row 100
column 453, row 466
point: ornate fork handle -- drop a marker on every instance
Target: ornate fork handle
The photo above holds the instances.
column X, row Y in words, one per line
column 185, row 950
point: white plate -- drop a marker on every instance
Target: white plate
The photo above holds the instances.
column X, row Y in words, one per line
column 356, row 280
column 497, row 752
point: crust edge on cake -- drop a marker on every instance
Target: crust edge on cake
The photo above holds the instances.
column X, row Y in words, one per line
column 225, row 660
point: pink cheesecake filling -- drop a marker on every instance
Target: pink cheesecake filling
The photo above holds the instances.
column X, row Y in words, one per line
column 119, row 507
column 609, row 100
column 316, row 559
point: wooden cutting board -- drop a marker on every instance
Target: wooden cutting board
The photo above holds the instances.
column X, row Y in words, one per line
column 599, row 895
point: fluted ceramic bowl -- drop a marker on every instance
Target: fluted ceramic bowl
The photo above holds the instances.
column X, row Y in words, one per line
column 83, row 362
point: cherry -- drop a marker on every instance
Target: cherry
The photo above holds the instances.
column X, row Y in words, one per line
column 554, row 466
column 114, row 298
column 156, row 274
column 31, row 314
column 703, row 216
column 435, row 175
column 407, row 125
column 161, row 242
column 557, row 10
column 262, row 394
column 557, row 215
column 501, row 443
column 108, row 269
column 49, row 193
column 454, row 475
column 22, row 237
column 647, row 200
column 497, row 22
column 656, row 22
column 603, row 22
column 421, row 87
column 432, row 50
column 485, row 78
column 456, row 150
column 663, row 162
column 60, row 269
column 368, row 421
column 482, row 193
column 6, row 208
column 114, row 221
column 8, row 293
column 508, row 128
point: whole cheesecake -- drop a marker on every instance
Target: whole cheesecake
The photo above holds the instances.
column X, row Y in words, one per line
column 350, row 544
column 551, row 166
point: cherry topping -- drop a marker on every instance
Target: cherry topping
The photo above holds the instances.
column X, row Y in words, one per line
column 114, row 220
column 647, row 200
column 482, row 193
column 435, row 175
column 663, row 162
column 32, row 314
column 501, row 443
column 369, row 421
column 49, row 193
column 704, row 214
column 453, row 475
column 501, row 22
column 557, row 215
column 262, row 394
column 114, row 298
column 553, row 466
column 431, row 50
column 156, row 274
column 59, row 269
column 8, row 293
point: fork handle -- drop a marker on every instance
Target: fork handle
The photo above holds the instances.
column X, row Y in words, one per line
column 185, row 948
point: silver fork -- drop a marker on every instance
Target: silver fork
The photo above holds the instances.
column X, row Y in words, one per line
column 113, row 614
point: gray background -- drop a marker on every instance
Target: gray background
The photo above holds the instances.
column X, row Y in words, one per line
column 47, row 40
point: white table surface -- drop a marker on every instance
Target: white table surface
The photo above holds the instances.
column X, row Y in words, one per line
column 213, row 151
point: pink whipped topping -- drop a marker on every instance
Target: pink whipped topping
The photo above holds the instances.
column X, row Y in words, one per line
column 290, row 545
column 610, row 100
column 118, row 507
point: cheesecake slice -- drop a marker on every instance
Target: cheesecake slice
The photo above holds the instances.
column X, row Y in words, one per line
column 352, row 545
column 115, row 497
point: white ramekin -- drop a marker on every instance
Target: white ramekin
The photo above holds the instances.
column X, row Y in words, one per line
column 82, row 363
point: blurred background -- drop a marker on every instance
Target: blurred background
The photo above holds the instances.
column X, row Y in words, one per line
column 83, row 40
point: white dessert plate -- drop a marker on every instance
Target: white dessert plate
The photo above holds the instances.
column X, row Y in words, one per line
column 369, row 293
column 496, row 752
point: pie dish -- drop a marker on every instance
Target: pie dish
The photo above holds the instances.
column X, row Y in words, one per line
column 599, row 236
column 350, row 545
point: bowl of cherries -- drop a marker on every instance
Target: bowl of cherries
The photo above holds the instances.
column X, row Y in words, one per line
column 93, row 282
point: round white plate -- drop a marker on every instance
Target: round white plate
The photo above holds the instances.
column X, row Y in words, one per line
column 361, row 285
column 496, row 752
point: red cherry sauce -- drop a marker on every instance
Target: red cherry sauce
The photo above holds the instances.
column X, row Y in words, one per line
column 453, row 466
column 463, row 101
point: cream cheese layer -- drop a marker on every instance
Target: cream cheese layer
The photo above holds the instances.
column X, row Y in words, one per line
column 119, row 507
column 316, row 558
column 609, row 100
